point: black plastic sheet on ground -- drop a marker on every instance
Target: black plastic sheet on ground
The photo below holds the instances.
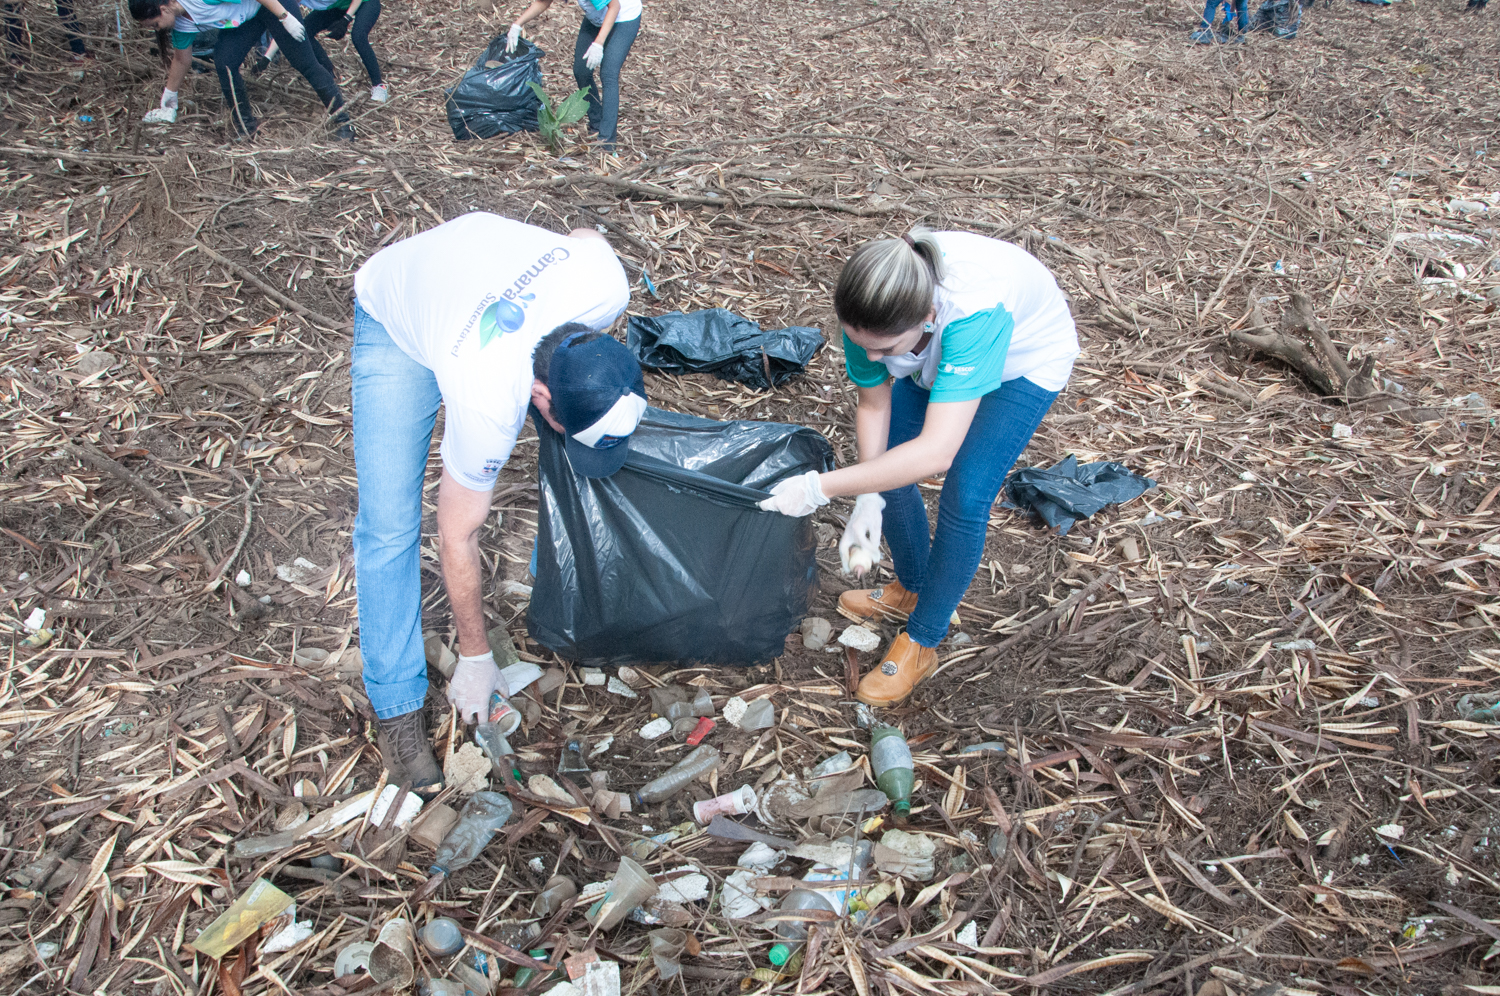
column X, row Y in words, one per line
column 719, row 342
column 670, row 560
column 1069, row 491
column 493, row 97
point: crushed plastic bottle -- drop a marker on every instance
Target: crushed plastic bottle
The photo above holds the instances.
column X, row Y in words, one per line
column 482, row 815
column 794, row 932
column 702, row 760
column 442, row 937
column 890, row 760
column 557, row 890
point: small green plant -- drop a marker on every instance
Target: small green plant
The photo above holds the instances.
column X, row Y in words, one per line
column 552, row 118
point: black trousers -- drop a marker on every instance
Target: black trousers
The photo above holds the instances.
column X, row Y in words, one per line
column 15, row 29
column 318, row 21
column 235, row 44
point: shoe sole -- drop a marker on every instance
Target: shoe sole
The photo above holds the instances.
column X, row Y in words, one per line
column 889, row 615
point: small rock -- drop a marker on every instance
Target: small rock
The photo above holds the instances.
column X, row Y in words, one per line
column 656, row 729
column 961, row 638
column 816, row 633
column 94, row 361
column 860, row 639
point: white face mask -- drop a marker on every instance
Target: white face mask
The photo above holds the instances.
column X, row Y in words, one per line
column 909, row 363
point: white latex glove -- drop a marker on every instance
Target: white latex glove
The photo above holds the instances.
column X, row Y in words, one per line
column 512, row 38
column 796, row 496
column 593, row 56
column 859, row 549
column 293, row 27
column 474, row 680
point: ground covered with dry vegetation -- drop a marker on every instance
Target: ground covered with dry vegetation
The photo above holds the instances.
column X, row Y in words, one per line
column 1244, row 716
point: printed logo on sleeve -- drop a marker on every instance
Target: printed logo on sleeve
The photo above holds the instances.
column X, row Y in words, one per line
column 949, row 368
column 492, row 467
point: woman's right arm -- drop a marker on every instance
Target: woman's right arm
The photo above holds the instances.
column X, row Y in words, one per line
column 531, row 13
column 182, row 61
column 872, row 421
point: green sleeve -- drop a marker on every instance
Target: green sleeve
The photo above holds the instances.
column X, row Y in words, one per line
column 864, row 371
column 973, row 360
column 182, row 39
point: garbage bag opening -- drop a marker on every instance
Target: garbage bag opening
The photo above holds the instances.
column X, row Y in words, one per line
column 670, row 560
column 729, row 346
column 493, row 97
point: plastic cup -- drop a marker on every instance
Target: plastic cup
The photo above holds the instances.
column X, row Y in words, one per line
column 394, row 956
column 631, row 886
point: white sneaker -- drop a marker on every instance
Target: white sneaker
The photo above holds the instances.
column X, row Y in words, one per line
column 379, row 94
column 161, row 115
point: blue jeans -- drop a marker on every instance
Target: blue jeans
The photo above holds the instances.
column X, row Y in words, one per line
column 604, row 114
column 395, row 404
column 939, row 571
column 1233, row 9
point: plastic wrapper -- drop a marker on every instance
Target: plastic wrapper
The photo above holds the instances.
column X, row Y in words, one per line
column 670, row 560
column 1069, row 491
column 494, row 96
column 729, row 346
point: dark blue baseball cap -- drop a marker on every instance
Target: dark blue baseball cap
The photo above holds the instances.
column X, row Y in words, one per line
column 598, row 397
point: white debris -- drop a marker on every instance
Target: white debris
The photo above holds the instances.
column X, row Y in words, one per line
column 602, row 746
column 290, row 936
column 687, row 889
column 969, row 936
column 300, row 571
column 1391, row 831
column 1342, row 431
column 618, row 687
column 592, row 676
column 515, row 588
column 656, row 729
column 410, row 807
column 36, row 620
column 242, row 579
column 1297, row 645
column 1248, row 475
column 860, row 639
column 734, row 710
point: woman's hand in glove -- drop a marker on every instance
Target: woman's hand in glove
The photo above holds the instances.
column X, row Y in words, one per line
column 594, row 56
column 293, row 27
column 796, row 496
column 512, row 38
column 474, row 680
column 859, row 549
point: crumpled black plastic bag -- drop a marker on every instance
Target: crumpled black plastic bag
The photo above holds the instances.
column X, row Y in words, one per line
column 1069, row 491
column 729, row 346
column 670, row 560
column 493, row 97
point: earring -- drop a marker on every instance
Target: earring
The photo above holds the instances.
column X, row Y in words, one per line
column 927, row 327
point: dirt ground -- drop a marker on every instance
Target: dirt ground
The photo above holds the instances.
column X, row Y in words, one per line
column 1236, row 756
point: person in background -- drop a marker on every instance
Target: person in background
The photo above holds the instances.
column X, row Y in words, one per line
column 958, row 345
column 1226, row 35
column 240, row 26
column 15, row 32
column 484, row 316
column 604, row 40
column 355, row 17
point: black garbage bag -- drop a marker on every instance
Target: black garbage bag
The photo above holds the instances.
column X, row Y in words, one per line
column 724, row 344
column 670, row 560
column 1069, row 491
column 493, row 97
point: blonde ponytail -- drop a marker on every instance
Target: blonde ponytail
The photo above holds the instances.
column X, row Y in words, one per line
column 886, row 287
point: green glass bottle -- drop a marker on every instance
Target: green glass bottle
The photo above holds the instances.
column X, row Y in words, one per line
column 890, row 760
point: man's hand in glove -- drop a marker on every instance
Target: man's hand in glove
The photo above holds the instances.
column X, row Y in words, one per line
column 474, row 680
column 796, row 496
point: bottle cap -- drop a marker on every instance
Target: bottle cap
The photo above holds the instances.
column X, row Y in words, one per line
column 779, row 954
column 901, row 808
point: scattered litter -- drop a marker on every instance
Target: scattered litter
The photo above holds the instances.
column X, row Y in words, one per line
column 909, row 855
column 441, row 937
column 759, row 715
column 988, row 747
column 1479, row 708
column 891, row 763
column 719, row 342
column 816, row 633
column 394, row 957
column 482, row 816
column 593, row 676
column 969, row 935
column 300, row 571
column 860, row 639
column 554, row 893
column 290, row 936
column 242, row 579
column 1297, row 645
column 1391, row 831
column 36, row 620
column 352, row 958
column 734, row 710
column 631, row 886
column 1342, row 431
column 702, row 728
column 618, row 687
column 545, row 788
column 656, row 729
column 434, row 825
column 667, row 946
column 255, row 907
column 735, row 803
column 703, row 759
column 685, row 888
column 467, row 770
column 603, row 745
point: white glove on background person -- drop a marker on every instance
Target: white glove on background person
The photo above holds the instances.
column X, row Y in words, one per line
column 512, row 38
column 796, row 496
column 593, row 56
column 166, row 113
column 474, row 680
column 293, row 27
column 862, row 534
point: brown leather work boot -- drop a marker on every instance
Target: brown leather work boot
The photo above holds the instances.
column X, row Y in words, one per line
column 891, row 602
column 904, row 666
column 408, row 755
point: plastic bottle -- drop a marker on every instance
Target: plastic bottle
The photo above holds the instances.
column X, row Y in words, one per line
column 890, row 760
column 558, row 890
column 442, row 937
column 794, row 932
column 702, row 760
column 483, row 814
column 837, row 900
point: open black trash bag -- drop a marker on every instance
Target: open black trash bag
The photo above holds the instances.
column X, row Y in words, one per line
column 1069, row 491
column 719, row 342
column 669, row 560
column 493, row 97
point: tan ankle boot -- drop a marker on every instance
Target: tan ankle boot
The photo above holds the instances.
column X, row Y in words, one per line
column 904, row 667
column 891, row 602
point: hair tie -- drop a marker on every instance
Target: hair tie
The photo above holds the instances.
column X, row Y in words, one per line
column 910, row 241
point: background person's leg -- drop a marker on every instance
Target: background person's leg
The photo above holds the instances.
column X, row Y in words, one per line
column 359, row 34
column 584, row 75
column 616, row 48
column 300, row 55
column 1005, row 422
column 72, row 25
column 316, row 22
column 395, row 404
column 230, row 50
column 904, row 520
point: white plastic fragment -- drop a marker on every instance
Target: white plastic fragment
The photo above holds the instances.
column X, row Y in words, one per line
column 515, row 588
column 519, row 676
column 602, row 746
column 1297, row 645
column 969, row 936
column 1391, row 831
column 860, row 639
column 242, row 579
column 592, row 676
column 734, row 710
column 411, row 805
column 687, row 889
column 36, row 620
column 288, row 937
column 617, row 687
column 1342, row 431
column 656, row 729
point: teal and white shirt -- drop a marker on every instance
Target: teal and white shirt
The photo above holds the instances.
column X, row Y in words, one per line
column 1000, row 316
column 202, row 15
